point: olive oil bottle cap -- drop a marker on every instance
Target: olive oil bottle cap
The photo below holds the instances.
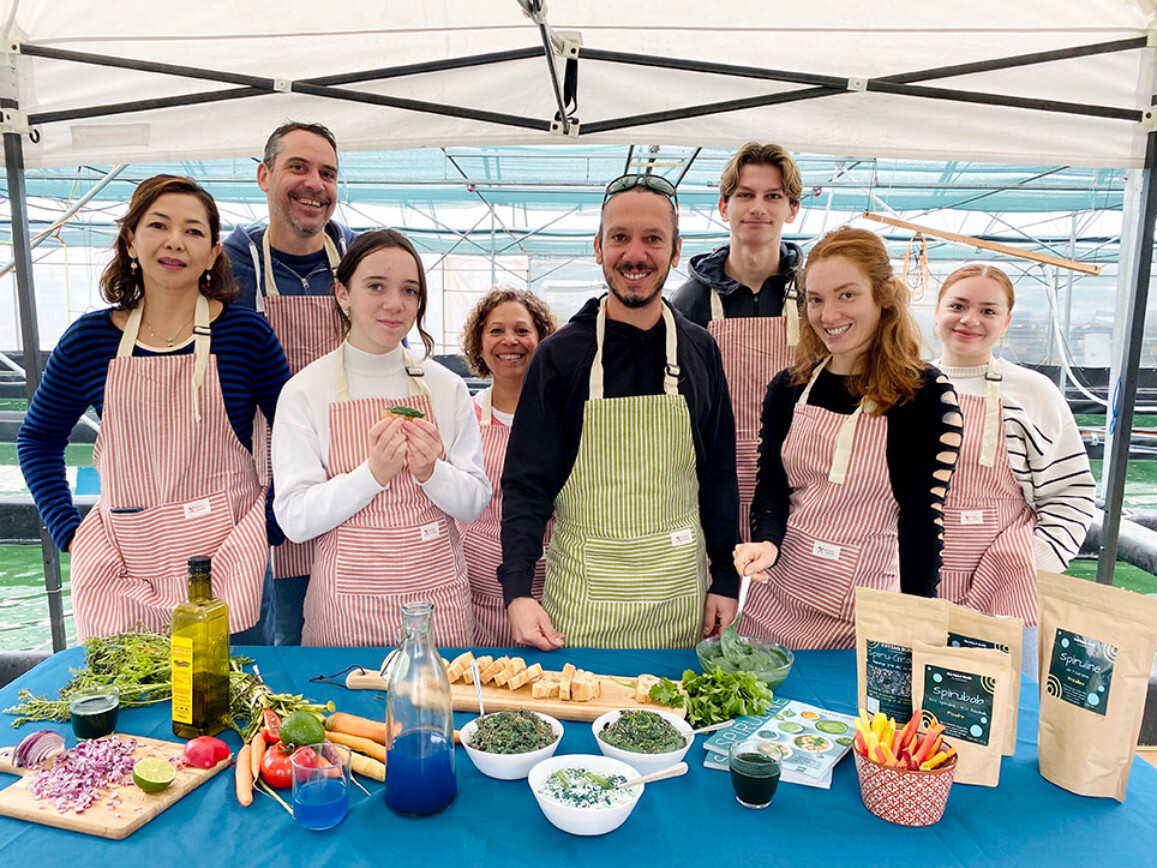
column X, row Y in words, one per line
column 199, row 564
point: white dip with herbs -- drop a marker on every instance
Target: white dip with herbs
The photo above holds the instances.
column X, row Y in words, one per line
column 580, row 788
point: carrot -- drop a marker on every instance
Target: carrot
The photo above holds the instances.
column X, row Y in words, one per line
column 367, row 766
column 256, row 753
column 244, row 776
column 351, row 724
column 365, row 745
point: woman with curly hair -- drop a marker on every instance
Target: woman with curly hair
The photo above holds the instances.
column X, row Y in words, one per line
column 500, row 335
column 858, row 442
column 176, row 373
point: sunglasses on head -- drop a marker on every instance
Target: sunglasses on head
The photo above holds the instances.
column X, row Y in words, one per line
column 654, row 183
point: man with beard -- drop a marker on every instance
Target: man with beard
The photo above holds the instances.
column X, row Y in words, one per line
column 285, row 270
column 624, row 432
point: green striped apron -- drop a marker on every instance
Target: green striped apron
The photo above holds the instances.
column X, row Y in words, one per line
column 627, row 567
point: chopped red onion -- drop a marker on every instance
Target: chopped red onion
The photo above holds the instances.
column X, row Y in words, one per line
column 75, row 780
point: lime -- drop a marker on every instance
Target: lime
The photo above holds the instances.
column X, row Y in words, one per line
column 153, row 774
column 301, row 728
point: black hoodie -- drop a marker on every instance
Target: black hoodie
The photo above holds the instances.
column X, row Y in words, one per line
column 693, row 298
column 544, row 438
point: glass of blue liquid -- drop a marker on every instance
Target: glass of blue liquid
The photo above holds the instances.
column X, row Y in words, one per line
column 321, row 785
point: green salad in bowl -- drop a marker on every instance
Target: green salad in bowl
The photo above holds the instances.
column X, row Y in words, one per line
column 730, row 652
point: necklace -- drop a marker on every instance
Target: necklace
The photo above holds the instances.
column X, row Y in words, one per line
column 176, row 334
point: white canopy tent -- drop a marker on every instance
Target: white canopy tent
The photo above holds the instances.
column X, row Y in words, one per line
column 1043, row 81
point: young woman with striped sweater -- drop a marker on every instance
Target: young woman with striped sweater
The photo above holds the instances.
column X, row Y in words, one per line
column 858, row 441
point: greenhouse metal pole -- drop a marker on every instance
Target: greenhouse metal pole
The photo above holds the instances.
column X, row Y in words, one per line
column 30, row 338
column 1123, row 394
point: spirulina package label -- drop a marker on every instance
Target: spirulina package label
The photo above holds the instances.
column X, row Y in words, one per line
column 958, row 640
column 1081, row 670
column 889, row 677
column 962, row 701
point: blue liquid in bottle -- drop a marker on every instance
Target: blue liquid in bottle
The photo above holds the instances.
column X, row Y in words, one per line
column 321, row 804
column 421, row 776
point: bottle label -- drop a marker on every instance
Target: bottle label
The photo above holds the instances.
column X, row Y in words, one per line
column 182, row 669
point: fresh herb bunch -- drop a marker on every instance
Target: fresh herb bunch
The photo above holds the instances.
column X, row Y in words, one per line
column 641, row 731
column 512, row 732
column 715, row 696
column 249, row 696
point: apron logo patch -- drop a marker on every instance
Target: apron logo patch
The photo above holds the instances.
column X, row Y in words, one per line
column 972, row 516
column 683, row 537
column 198, row 509
column 827, row 551
column 430, row 531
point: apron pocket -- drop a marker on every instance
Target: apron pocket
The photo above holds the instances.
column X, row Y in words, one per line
column 650, row 569
column 156, row 543
column 817, row 574
column 968, row 533
column 392, row 560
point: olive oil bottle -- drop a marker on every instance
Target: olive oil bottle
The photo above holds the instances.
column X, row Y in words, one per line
column 200, row 658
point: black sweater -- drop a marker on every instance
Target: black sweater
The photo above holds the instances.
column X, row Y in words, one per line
column 544, row 438
column 915, row 430
column 693, row 298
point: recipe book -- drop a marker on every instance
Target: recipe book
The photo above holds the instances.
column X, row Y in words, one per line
column 808, row 740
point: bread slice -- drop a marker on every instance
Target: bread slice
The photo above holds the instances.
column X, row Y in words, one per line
column 526, row 676
column 568, row 672
column 460, row 665
column 643, row 685
column 487, row 675
column 482, row 663
column 545, row 687
column 584, row 686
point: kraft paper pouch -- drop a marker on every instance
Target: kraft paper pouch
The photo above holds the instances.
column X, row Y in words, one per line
column 966, row 689
column 968, row 628
column 887, row 625
column 1096, row 651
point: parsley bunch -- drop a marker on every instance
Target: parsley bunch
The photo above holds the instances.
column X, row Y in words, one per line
column 715, row 696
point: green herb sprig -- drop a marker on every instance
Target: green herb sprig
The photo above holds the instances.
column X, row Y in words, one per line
column 715, row 695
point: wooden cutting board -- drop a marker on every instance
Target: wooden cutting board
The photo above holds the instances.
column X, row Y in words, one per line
column 135, row 807
column 613, row 697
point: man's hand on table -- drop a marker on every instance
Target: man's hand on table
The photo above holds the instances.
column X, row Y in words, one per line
column 531, row 625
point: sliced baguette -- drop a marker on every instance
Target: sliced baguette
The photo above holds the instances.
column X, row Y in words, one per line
column 526, row 676
column 545, row 687
column 568, row 672
column 496, row 666
column 460, row 665
column 643, row 685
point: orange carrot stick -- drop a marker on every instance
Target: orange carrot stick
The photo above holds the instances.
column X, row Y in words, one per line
column 243, row 777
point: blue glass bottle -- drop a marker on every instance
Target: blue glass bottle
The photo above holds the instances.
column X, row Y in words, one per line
column 420, row 777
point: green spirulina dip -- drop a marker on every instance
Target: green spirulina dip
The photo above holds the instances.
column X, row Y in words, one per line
column 643, row 732
column 509, row 732
column 732, row 654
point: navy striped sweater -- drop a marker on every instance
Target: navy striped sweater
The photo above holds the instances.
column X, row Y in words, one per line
column 250, row 364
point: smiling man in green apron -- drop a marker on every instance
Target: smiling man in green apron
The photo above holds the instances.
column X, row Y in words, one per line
column 625, row 433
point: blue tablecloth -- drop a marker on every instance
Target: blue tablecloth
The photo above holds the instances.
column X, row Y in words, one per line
column 693, row 820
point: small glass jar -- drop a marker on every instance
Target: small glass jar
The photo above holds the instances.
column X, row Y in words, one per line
column 94, row 712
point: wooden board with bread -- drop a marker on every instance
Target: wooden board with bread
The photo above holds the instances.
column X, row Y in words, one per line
column 507, row 682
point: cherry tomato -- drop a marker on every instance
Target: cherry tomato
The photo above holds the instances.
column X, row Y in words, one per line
column 276, row 768
column 204, row 751
column 272, row 729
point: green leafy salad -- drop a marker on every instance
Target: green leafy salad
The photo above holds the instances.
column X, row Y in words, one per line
column 714, row 696
column 509, row 732
column 642, row 731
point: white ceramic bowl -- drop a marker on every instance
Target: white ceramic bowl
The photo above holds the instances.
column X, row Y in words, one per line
column 644, row 763
column 583, row 821
column 509, row 766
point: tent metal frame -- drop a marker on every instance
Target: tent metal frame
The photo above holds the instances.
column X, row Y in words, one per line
column 14, row 125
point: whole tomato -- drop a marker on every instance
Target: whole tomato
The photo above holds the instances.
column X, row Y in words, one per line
column 276, row 768
column 204, row 751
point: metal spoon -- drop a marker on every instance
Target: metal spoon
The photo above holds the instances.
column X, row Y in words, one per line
column 744, row 586
column 670, row 772
column 722, row 725
column 477, row 686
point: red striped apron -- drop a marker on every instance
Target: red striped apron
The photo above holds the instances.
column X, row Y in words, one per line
column 841, row 530
column 754, row 350
column 175, row 483
column 989, row 563
column 482, row 539
column 305, row 327
column 399, row 549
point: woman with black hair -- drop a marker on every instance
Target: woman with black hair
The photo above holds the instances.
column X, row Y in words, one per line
column 376, row 455
column 176, row 374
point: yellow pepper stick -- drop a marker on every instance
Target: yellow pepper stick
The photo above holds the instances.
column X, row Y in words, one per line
column 878, row 721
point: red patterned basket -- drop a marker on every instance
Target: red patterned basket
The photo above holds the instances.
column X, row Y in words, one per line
column 907, row 798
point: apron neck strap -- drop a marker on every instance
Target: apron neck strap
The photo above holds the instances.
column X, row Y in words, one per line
column 670, row 371
column 716, row 306
column 791, row 314
column 842, row 454
column 415, row 376
column 485, row 405
column 202, row 337
column 270, row 285
column 992, row 380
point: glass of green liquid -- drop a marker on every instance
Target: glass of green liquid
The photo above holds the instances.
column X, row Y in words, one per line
column 94, row 712
column 754, row 774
